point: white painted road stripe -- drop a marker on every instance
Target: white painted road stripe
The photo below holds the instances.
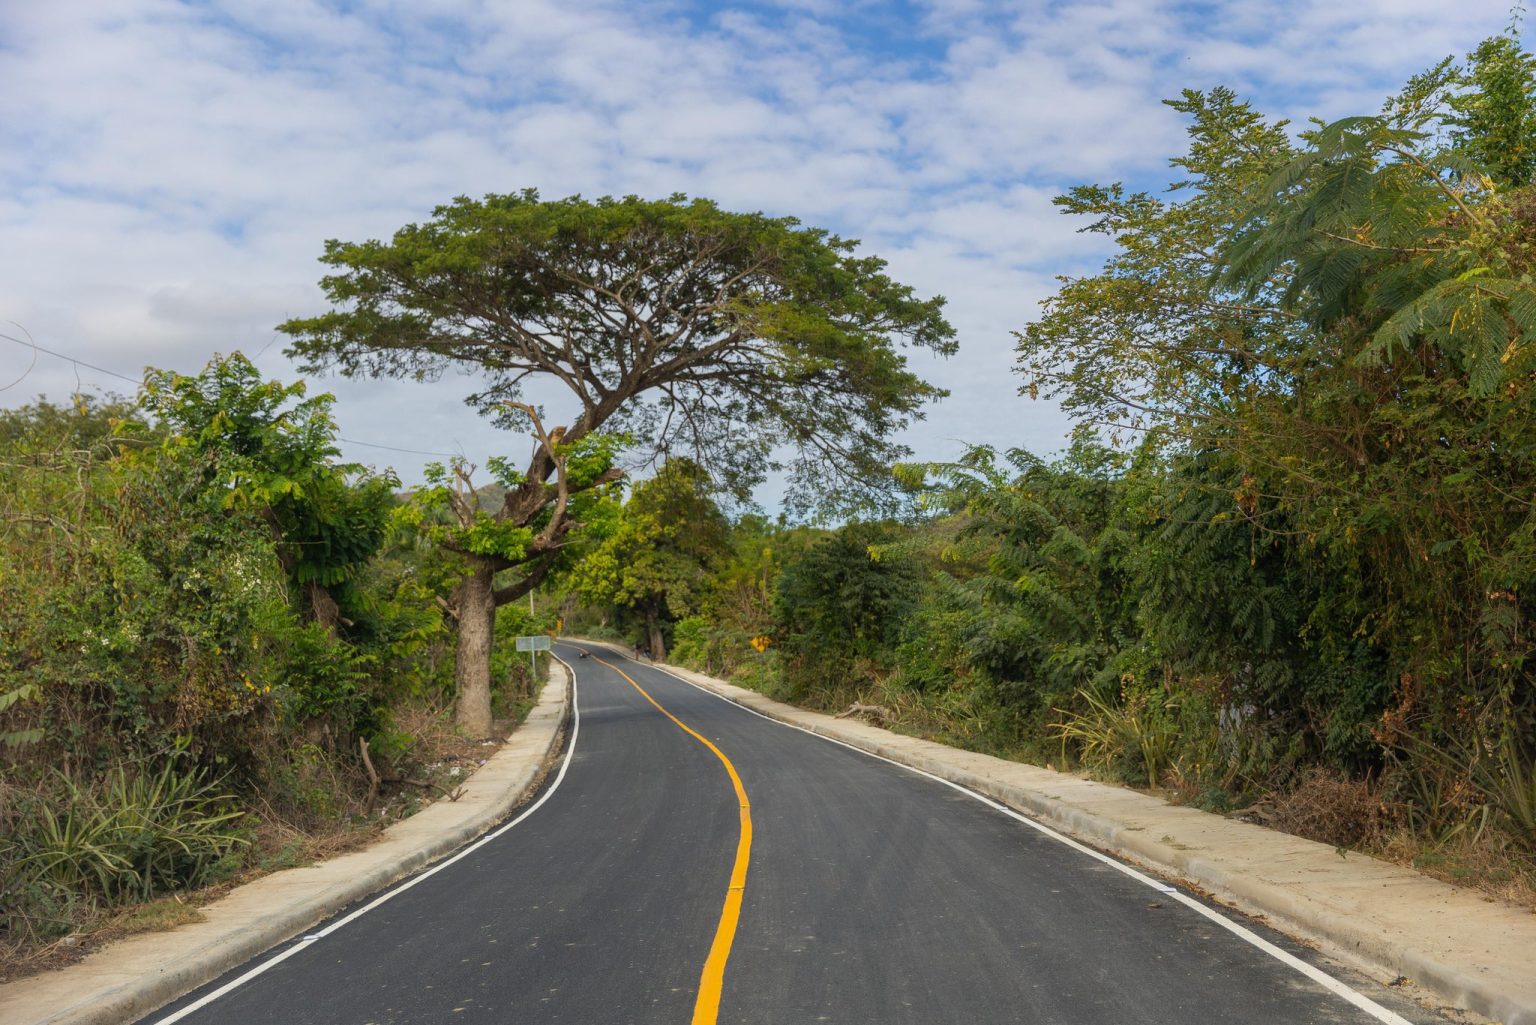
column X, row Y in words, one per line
column 1317, row 975
column 309, row 938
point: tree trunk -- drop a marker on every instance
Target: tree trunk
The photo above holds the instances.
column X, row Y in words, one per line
column 476, row 606
column 323, row 607
column 653, row 631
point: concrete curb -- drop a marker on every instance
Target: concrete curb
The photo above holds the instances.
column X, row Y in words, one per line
column 1467, row 950
column 133, row 978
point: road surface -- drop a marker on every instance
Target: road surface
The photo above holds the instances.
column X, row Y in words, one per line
column 691, row 861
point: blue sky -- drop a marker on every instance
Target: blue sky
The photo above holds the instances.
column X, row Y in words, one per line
column 171, row 168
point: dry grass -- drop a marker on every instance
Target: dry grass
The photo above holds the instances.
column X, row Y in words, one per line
column 1329, row 808
column 1492, row 864
column 157, row 916
column 17, row 960
column 1350, row 814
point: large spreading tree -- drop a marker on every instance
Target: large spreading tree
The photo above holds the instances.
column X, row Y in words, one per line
column 731, row 338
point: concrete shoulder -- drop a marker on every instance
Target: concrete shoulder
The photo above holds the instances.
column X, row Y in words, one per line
column 1467, row 950
column 132, row 978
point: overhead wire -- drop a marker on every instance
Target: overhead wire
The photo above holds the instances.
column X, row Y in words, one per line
column 78, row 363
column 33, row 366
column 70, row 359
column 392, row 448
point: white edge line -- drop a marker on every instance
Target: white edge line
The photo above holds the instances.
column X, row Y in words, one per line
column 309, row 938
column 1316, row 974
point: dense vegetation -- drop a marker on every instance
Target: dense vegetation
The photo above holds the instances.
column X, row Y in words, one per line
column 1288, row 561
column 204, row 614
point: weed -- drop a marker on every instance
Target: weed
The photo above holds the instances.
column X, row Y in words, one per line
column 157, row 916
column 1137, row 736
column 1326, row 807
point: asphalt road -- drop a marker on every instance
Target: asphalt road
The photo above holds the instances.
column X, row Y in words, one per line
column 871, row 895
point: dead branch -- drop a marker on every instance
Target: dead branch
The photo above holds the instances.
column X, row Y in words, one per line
column 373, row 777
column 875, row 714
column 452, row 795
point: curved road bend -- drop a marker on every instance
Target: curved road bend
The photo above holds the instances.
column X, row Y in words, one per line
column 872, row 896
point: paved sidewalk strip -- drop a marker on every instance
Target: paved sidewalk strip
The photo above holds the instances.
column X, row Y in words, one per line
column 1468, row 950
column 132, row 978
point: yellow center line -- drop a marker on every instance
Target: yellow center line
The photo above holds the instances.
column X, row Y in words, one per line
column 706, row 1009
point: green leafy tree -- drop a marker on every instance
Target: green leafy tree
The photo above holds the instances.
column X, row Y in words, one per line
column 1034, row 563
column 690, row 329
column 660, row 559
column 468, row 522
column 1229, row 606
column 1494, row 110
column 1342, row 329
column 839, row 607
column 1148, row 343
column 1414, row 277
column 272, row 452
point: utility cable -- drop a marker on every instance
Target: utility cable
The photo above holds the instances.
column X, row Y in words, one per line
column 28, row 372
column 70, row 359
column 391, row 448
column 124, row 377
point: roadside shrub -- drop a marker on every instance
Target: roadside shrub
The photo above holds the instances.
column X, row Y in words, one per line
column 324, row 681
column 1330, row 808
column 838, row 610
column 710, row 647
column 692, row 641
column 1135, row 738
column 309, row 785
column 140, row 830
column 1465, row 786
column 933, row 652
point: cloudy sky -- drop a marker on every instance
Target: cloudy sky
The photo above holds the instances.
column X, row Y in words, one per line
column 171, row 169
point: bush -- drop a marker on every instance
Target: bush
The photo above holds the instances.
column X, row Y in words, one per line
column 1135, row 738
column 838, row 611
column 138, row 831
column 1327, row 807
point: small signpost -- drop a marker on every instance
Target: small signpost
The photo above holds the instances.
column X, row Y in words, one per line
column 533, row 645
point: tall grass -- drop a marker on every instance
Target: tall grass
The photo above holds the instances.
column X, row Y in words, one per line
column 1138, row 735
column 138, row 831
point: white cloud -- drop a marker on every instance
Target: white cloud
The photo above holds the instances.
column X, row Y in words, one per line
column 172, row 169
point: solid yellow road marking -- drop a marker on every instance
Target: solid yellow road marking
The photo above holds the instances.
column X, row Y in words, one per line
column 706, row 1009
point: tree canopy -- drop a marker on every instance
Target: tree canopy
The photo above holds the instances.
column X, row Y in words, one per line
column 725, row 336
